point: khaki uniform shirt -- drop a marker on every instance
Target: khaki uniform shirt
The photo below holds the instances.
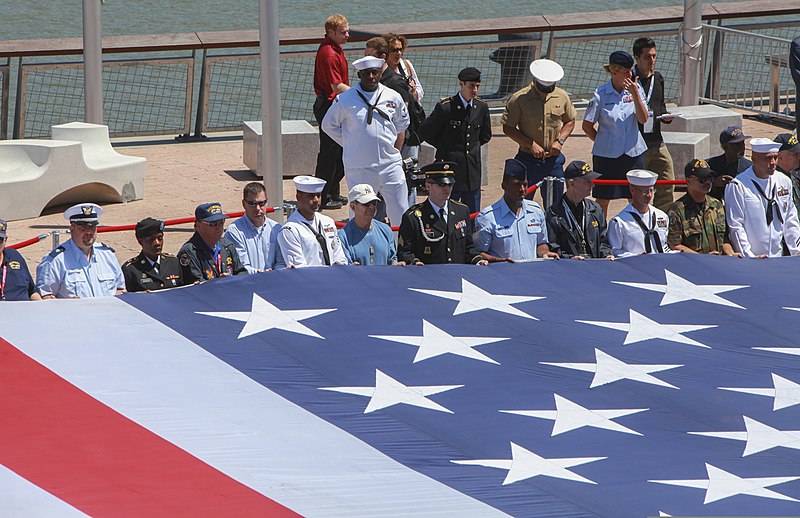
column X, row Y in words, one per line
column 540, row 120
column 703, row 229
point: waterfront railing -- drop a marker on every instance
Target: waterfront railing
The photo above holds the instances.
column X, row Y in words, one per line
column 150, row 86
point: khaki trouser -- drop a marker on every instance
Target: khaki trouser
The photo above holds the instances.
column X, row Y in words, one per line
column 658, row 160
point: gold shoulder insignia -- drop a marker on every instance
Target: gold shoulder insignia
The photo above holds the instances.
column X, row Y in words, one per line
column 457, row 203
column 165, row 254
column 418, row 213
column 445, row 100
column 129, row 262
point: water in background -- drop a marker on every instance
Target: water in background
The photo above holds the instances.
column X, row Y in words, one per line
column 25, row 19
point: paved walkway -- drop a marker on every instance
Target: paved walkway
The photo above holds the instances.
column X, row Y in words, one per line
column 182, row 175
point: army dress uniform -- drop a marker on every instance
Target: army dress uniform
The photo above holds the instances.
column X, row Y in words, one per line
column 199, row 262
column 458, row 132
column 142, row 275
column 426, row 238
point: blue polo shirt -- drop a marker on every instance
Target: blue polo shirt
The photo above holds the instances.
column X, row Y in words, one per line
column 617, row 128
column 18, row 283
column 372, row 247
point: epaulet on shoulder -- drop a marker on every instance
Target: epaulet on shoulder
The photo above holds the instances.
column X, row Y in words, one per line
column 129, row 261
column 445, row 100
column 170, row 256
column 478, row 99
column 454, row 202
column 57, row 250
column 107, row 247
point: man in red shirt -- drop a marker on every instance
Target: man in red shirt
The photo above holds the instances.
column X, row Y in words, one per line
column 330, row 79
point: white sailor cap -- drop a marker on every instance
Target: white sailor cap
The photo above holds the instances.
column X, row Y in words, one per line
column 368, row 62
column 641, row 177
column 764, row 145
column 84, row 213
column 309, row 184
column 547, row 72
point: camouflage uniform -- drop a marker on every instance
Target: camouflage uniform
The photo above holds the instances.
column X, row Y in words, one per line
column 703, row 229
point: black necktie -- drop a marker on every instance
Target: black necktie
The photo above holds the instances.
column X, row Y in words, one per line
column 649, row 232
column 372, row 107
column 441, row 216
column 771, row 203
column 469, row 110
column 322, row 243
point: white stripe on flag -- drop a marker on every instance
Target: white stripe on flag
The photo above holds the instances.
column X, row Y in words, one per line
column 18, row 497
column 166, row 383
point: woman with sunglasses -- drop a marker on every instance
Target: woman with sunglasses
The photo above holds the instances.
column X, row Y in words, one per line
column 696, row 220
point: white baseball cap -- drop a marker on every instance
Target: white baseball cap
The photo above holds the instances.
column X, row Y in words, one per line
column 362, row 193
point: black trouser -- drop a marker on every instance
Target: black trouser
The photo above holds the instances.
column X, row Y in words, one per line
column 329, row 160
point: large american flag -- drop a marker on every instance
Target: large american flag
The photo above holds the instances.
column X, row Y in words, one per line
column 652, row 385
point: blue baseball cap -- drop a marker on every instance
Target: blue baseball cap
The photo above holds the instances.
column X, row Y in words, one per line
column 209, row 212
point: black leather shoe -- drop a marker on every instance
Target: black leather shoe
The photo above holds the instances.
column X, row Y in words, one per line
column 343, row 199
column 332, row 205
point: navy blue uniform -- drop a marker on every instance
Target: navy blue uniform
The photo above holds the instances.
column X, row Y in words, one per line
column 16, row 282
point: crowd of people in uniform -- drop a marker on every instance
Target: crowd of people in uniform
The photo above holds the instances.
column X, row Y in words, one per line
column 733, row 206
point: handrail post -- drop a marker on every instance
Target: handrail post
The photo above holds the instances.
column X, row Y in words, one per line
column 271, row 159
column 692, row 39
column 92, row 62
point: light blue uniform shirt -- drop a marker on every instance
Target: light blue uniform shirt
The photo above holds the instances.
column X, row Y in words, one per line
column 375, row 246
column 256, row 246
column 617, row 129
column 66, row 272
column 502, row 233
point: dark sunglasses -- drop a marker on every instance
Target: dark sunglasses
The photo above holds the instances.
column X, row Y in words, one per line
column 2, row 239
column 397, row 49
column 261, row 203
column 703, row 180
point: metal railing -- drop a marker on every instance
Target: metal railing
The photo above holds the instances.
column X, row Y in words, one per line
column 159, row 95
column 749, row 71
column 143, row 96
column 5, row 80
column 230, row 84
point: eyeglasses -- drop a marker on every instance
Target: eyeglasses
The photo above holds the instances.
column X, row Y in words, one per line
column 261, row 203
column 397, row 49
column 215, row 223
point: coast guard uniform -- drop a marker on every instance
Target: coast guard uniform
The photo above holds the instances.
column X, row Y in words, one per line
column 366, row 125
column 761, row 215
column 627, row 237
column 66, row 272
column 502, row 233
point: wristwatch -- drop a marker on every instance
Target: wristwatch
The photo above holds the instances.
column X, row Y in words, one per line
column 561, row 141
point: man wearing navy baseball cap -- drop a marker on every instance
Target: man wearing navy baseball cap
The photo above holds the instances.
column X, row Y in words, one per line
column 576, row 224
column 205, row 256
column 513, row 228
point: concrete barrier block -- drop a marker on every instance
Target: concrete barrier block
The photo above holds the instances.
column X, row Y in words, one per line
column 704, row 118
column 684, row 147
column 299, row 147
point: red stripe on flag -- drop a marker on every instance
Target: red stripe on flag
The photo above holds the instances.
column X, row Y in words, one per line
column 97, row 460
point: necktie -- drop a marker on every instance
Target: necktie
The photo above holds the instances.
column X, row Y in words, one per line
column 649, row 232
column 441, row 216
column 372, row 107
column 469, row 110
column 771, row 203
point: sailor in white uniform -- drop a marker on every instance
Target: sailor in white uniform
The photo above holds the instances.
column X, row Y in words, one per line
column 369, row 122
column 640, row 228
column 309, row 238
column 762, row 219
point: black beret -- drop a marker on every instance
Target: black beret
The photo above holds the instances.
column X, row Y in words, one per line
column 470, row 74
column 148, row 227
